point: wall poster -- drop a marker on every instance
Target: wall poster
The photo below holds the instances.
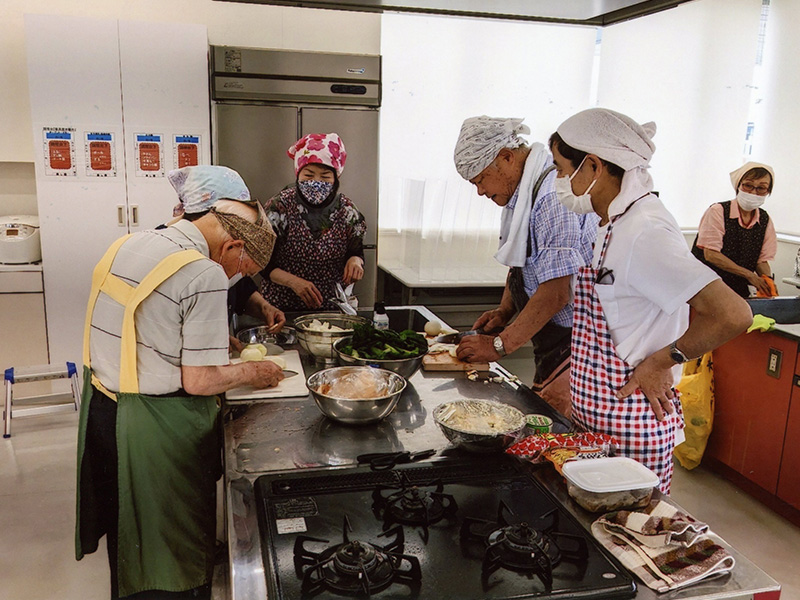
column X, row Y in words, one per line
column 59, row 151
column 100, row 154
column 149, row 152
column 186, row 150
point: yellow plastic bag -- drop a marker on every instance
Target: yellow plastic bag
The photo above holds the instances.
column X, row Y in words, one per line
column 697, row 399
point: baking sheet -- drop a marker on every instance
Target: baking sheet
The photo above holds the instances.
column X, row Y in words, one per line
column 292, row 388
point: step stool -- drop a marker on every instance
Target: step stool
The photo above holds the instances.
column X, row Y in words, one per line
column 39, row 373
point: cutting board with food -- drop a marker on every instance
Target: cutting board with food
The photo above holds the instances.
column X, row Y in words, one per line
column 441, row 357
column 290, row 387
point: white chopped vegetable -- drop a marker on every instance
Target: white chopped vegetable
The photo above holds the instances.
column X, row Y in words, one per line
column 433, row 328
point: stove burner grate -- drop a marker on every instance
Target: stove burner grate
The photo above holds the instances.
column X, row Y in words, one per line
column 412, row 504
column 356, row 568
column 533, row 549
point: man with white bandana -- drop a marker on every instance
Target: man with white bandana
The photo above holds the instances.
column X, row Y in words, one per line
column 541, row 242
column 631, row 330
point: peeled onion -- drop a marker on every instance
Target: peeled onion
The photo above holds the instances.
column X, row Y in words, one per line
column 251, row 353
column 278, row 360
column 261, row 348
column 433, row 328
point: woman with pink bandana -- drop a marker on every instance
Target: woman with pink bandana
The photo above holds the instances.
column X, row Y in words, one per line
column 320, row 231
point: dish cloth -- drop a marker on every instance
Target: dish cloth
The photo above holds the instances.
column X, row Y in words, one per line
column 665, row 548
column 761, row 323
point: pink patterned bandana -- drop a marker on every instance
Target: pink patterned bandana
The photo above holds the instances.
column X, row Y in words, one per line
column 321, row 148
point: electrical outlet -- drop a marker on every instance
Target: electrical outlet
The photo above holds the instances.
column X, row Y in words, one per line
column 774, row 363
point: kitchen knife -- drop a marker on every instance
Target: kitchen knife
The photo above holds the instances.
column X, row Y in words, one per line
column 288, row 373
column 382, row 461
column 455, row 338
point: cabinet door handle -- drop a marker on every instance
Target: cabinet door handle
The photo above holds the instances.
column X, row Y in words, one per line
column 134, row 215
column 121, row 215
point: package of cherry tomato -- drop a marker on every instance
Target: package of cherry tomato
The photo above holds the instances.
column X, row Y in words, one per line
column 532, row 448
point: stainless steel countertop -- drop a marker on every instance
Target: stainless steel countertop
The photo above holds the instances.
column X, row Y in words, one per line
column 290, row 433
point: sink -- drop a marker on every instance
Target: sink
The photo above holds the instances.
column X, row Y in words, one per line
column 784, row 309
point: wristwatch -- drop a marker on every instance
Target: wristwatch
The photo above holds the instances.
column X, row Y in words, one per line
column 497, row 342
column 676, row 355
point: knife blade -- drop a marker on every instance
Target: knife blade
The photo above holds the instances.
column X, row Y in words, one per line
column 455, row 338
column 288, row 373
column 382, row 461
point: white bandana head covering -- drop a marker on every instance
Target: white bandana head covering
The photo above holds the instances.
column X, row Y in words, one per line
column 481, row 139
column 612, row 136
column 736, row 176
column 199, row 187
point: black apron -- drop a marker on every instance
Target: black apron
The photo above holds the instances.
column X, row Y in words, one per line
column 742, row 246
column 551, row 343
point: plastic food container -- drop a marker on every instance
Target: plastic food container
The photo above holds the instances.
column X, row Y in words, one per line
column 606, row 484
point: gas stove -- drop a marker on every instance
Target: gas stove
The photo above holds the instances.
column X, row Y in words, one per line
column 452, row 528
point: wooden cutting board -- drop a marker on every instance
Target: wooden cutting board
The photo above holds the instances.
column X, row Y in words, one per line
column 293, row 387
column 442, row 361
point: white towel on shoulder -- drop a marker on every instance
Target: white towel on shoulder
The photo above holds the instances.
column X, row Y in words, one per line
column 515, row 224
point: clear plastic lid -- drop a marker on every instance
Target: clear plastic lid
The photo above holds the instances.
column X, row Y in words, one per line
column 614, row 474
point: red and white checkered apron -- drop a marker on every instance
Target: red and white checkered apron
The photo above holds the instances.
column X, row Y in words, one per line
column 598, row 372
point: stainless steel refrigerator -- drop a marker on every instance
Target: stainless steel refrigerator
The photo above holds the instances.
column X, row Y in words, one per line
column 265, row 100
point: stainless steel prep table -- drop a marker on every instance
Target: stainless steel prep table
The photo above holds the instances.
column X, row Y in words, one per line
column 289, row 434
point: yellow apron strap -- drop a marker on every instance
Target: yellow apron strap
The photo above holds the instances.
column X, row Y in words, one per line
column 128, row 379
column 99, row 275
column 117, row 290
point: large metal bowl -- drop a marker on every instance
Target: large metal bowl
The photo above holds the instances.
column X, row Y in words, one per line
column 483, row 413
column 356, row 412
column 320, row 343
column 272, row 341
column 403, row 366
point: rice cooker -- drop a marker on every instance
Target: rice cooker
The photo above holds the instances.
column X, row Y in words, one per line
column 19, row 239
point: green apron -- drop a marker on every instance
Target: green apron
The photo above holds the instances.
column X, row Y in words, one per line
column 168, row 458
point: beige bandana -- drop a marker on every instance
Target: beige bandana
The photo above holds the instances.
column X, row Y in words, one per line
column 258, row 237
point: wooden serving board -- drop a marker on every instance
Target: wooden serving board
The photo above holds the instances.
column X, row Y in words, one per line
column 293, row 387
column 442, row 361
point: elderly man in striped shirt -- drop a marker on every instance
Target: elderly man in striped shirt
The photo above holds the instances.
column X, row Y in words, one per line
column 155, row 358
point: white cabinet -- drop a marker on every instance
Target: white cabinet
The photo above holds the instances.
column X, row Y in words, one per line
column 115, row 105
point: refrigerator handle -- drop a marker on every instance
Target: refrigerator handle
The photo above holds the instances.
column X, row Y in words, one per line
column 134, row 215
column 121, row 215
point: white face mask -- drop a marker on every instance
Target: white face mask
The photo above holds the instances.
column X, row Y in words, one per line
column 578, row 204
column 749, row 201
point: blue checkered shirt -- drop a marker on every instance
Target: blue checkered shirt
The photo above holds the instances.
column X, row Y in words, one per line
column 561, row 242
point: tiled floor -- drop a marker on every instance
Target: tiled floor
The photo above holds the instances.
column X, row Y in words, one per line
column 37, row 496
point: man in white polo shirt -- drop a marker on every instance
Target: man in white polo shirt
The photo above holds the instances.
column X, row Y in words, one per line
column 632, row 329
column 155, row 356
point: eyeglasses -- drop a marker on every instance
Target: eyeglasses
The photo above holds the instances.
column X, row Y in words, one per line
column 761, row 190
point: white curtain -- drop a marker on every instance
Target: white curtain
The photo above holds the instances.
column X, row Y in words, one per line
column 437, row 71
column 689, row 69
column 777, row 131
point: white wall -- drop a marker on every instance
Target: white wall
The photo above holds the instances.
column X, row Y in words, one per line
column 228, row 24
column 689, row 69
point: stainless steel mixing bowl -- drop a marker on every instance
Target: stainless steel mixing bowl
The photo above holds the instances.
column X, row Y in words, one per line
column 356, row 412
column 484, row 412
column 404, row 366
column 262, row 335
column 320, row 343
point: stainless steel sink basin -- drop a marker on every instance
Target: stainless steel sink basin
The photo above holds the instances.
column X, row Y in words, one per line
column 784, row 309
